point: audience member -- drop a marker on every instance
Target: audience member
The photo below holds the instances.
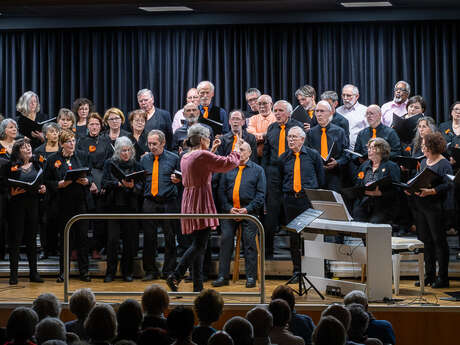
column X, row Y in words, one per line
column 80, row 304
column 154, row 335
column 20, row 327
column 180, row 325
column 155, row 302
column 125, row 342
column 50, row 328
column 129, row 319
column 71, row 338
column 262, row 323
column 101, row 324
column 359, row 323
column 220, row 338
column 208, row 306
column 46, row 305
column 240, row 330
column 279, row 334
column 329, row 331
column 340, row 313
column 59, row 342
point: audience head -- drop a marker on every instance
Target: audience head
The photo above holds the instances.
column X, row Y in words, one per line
column 50, row 328
column 181, row 322
column 198, row 135
column 373, row 115
column 280, row 311
column 46, row 305
column 252, row 94
column 153, row 335
column 416, row 105
column 101, row 323
column 208, row 306
column 240, row 330
column 236, row 120
column 283, row 111
column 434, row 143
column 340, row 312
column 191, row 113
column 332, row 98
column 359, row 322
column 329, row 331
column 205, row 92
column 306, row 96
column 129, row 316
column 81, row 302
column 356, row 296
column 71, row 338
column 66, row 119
column 261, row 320
column 455, row 111
column 296, row 138
column 126, row 342
column 81, row 107
column 8, row 129
column 350, row 95
column 21, row 324
column 285, row 293
column 156, row 141
column 145, row 100
column 28, row 103
column 61, row 342
column 220, row 338
column 155, row 300
column 323, row 113
column 265, row 105
column 401, row 91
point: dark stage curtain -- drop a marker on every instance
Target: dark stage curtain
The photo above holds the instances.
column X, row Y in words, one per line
column 110, row 65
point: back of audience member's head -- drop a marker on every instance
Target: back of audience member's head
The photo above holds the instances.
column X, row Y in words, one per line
column 329, row 331
column 153, row 335
column 208, row 306
column 125, row 342
column 71, row 338
column 220, row 338
column 261, row 320
column 280, row 311
column 56, row 342
column 129, row 316
column 46, row 305
column 155, row 300
column 284, row 292
column 181, row 321
column 359, row 322
column 356, row 296
column 240, row 330
column 81, row 302
column 101, row 323
column 340, row 312
column 50, row 328
column 373, row 341
column 21, row 324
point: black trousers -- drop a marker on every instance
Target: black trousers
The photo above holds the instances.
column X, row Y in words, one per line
column 78, row 233
column 293, row 207
column 170, row 228
column 249, row 232
column 431, row 232
column 49, row 225
column 371, row 210
column 23, row 220
column 193, row 257
column 121, row 229
column 274, row 208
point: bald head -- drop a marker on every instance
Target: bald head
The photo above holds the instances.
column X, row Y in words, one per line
column 261, row 320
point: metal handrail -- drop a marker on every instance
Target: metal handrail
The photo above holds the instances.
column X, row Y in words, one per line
column 127, row 216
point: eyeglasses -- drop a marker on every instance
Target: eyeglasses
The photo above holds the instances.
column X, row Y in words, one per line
column 263, row 103
column 139, row 120
column 400, row 89
column 114, row 119
column 292, row 136
column 347, row 95
column 252, row 100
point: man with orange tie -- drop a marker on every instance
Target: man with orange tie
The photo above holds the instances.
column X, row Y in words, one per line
column 330, row 141
column 305, row 111
column 377, row 129
column 160, row 196
column 210, row 111
column 274, row 146
column 300, row 167
column 241, row 191
column 228, row 140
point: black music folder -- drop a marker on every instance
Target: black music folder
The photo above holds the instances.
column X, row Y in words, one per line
column 120, row 175
column 29, row 186
column 407, row 161
column 300, row 114
column 29, row 125
column 328, row 158
column 357, row 191
column 455, row 153
column 356, row 155
column 217, row 127
column 424, row 179
column 75, row 174
column 299, row 223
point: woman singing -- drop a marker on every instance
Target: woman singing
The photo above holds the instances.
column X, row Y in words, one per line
column 197, row 167
column 81, row 107
column 28, row 107
column 23, row 210
column 8, row 132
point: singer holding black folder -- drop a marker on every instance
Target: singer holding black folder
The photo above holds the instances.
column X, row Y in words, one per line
column 28, row 108
column 122, row 196
column 71, row 196
column 429, row 203
column 23, row 209
column 377, row 206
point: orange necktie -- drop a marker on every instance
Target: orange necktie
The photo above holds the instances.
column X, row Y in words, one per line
column 282, row 140
column 154, row 189
column 324, row 143
column 234, row 142
column 310, row 113
column 374, row 133
column 297, row 181
column 236, row 187
column 205, row 114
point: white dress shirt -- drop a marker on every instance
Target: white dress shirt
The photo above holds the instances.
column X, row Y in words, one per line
column 356, row 117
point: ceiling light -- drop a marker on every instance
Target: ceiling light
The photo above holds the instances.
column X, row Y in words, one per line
column 166, row 9
column 367, row 4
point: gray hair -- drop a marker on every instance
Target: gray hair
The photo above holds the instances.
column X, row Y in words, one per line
column 50, row 328
column 326, row 104
column 21, row 324
column 306, row 91
column 23, row 102
column 355, row 296
column 81, row 302
column 332, row 95
column 298, row 129
column 406, row 84
column 286, row 104
column 355, row 89
column 5, row 124
column 47, row 126
column 119, row 144
column 160, row 134
column 196, row 132
column 252, row 90
column 417, row 141
column 143, row 91
column 46, row 305
column 375, row 106
column 240, row 330
column 359, row 321
column 261, row 320
column 203, row 84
